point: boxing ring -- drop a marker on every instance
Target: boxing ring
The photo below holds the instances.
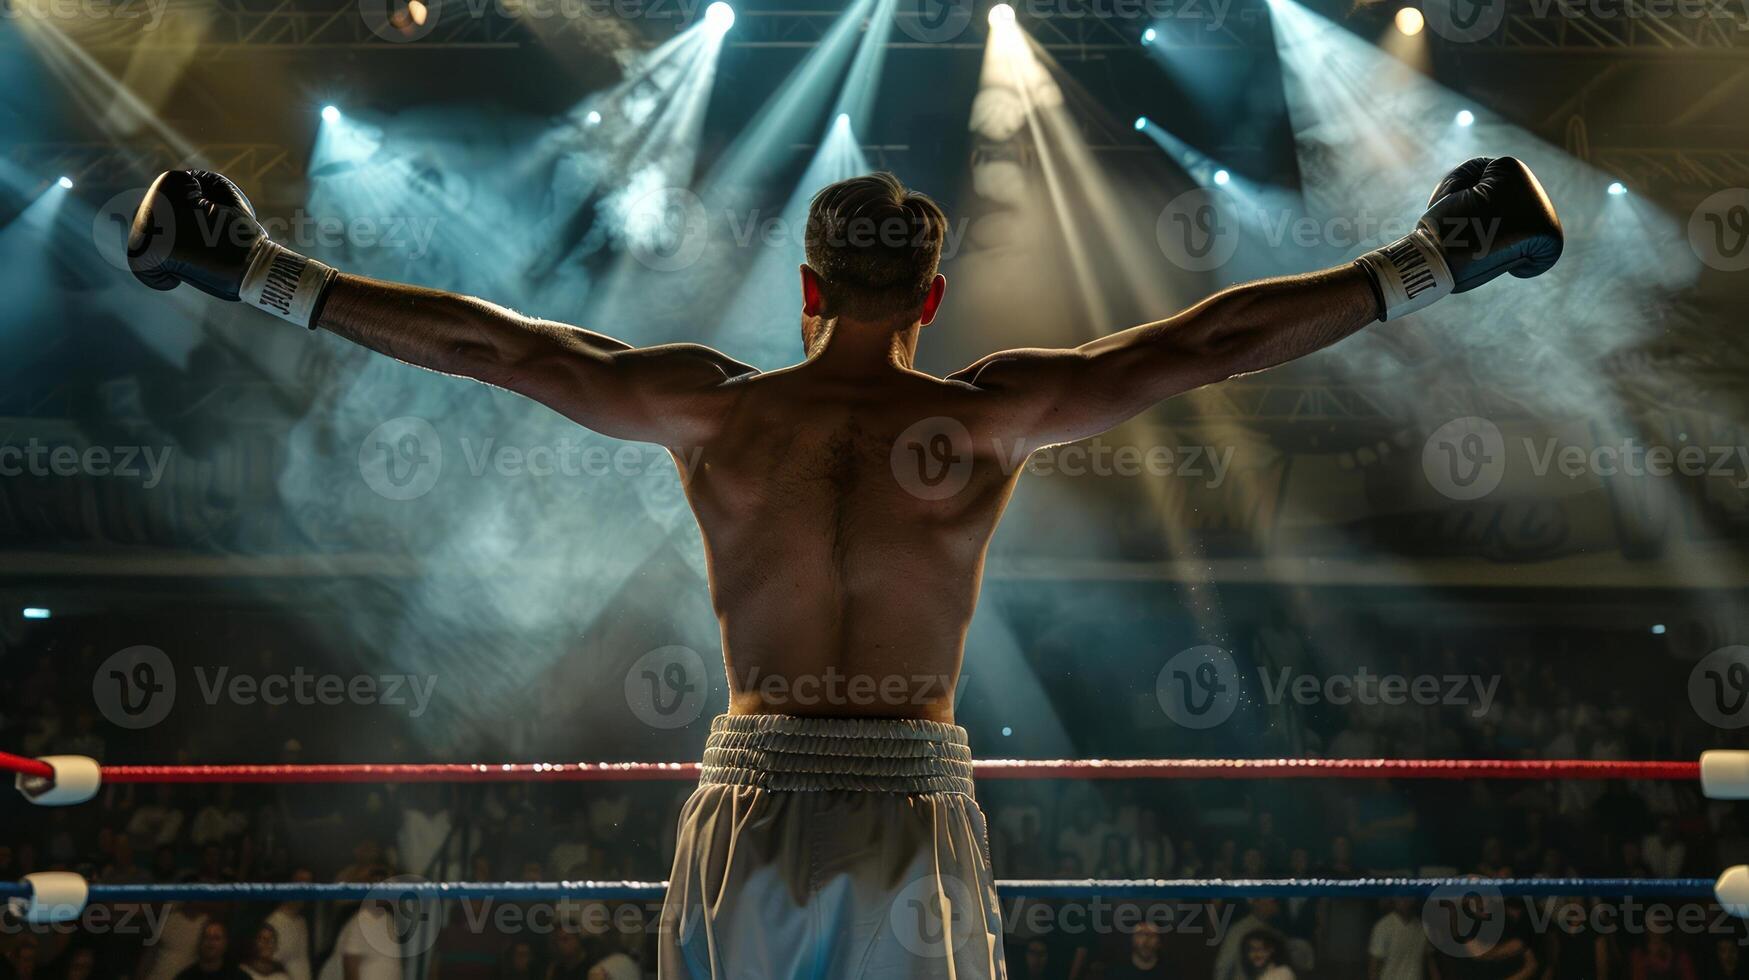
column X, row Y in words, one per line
column 67, row 780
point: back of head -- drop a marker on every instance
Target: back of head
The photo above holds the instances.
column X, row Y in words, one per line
column 876, row 246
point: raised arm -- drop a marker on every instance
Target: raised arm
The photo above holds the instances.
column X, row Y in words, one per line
column 672, row 395
column 197, row 227
column 1051, row 396
column 1487, row 217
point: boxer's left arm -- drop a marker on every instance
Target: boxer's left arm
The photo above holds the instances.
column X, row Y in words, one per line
column 672, row 394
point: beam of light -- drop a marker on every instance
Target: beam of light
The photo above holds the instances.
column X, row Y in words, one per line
column 719, row 17
column 109, row 102
column 862, row 80
column 548, row 241
column 792, row 116
column 36, row 612
column 1065, row 217
column 1406, row 41
column 1370, row 146
column 757, row 324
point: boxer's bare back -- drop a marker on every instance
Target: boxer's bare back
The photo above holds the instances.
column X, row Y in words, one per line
column 847, row 502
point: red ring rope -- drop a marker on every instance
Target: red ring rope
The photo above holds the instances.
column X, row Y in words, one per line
column 987, row 769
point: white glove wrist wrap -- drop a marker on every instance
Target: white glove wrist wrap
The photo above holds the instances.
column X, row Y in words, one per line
column 1411, row 273
column 284, row 283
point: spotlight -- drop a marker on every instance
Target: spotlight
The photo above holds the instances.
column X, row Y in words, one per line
column 593, row 119
column 719, row 17
column 1007, row 731
column 1617, row 188
column 35, row 612
column 65, row 183
column 1466, row 118
column 418, row 12
column 1141, row 123
column 1410, row 21
column 1149, row 35
column 1001, row 14
column 330, row 114
column 843, row 120
column 1221, row 177
column 1658, row 629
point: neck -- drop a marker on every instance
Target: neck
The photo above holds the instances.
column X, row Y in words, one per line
column 856, row 346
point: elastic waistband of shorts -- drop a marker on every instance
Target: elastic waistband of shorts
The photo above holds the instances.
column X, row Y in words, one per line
column 876, row 755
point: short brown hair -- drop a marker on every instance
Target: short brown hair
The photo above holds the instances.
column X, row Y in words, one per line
column 875, row 244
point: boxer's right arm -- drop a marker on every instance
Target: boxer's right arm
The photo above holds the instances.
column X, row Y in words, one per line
column 198, row 228
column 672, row 394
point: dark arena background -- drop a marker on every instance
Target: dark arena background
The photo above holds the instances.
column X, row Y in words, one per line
column 1513, row 527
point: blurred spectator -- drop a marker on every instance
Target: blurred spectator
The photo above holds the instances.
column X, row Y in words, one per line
column 367, row 948
column 1663, row 851
column 1262, row 957
column 291, row 927
column 1659, row 959
column 220, row 821
column 1260, row 918
column 1725, row 960
column 570, row 958
column 263, row 962
column 1144, row 962
column 1398, row 947
column 615, row 966
column 1031, row 960
column 212, row 956
column 178, row 944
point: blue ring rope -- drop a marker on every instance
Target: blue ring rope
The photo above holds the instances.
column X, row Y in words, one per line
column 1043, row 888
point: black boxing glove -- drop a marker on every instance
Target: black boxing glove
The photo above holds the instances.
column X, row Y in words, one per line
column 196, row 227
column 1486, row 217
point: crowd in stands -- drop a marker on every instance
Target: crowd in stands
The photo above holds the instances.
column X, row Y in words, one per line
column 1037, row 829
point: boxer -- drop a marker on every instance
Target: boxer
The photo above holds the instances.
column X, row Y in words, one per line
column 836, row 834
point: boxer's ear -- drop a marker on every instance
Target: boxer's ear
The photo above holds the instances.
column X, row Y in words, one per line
column 932, row 302
column 813, row 292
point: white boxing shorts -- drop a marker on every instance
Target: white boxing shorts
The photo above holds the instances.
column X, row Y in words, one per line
column 831, row 848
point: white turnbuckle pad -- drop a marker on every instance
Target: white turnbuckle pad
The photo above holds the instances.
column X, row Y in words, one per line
column 77, row 779
column 1724, row 774
column 55, row 896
